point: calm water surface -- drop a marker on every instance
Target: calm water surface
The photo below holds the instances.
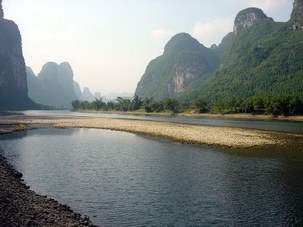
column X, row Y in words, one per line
column 122, row 179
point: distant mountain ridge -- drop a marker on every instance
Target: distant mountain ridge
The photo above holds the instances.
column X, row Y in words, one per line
column 54, row 86
column 259, row 57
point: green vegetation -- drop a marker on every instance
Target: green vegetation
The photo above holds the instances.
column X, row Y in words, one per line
column 183, row 55
column 263, row 60
column 124, row 105
column 280, row 104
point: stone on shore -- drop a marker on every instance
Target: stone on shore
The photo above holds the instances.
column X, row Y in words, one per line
column 20, row 206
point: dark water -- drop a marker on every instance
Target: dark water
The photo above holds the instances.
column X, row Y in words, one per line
column 122, row 179
column 272, row 125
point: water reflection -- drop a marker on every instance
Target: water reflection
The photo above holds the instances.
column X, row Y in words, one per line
column 122, row 179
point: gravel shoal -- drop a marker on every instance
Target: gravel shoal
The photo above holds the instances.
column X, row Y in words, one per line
column 199, row 134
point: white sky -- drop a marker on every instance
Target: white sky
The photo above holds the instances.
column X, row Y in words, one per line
column 110, row 42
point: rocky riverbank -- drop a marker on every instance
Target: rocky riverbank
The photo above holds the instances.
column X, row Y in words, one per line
column 20, row 206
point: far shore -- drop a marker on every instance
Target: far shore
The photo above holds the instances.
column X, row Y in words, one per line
column 240, row 116
column 227, row 137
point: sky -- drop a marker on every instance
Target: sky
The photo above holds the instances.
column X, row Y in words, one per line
column 109, row 43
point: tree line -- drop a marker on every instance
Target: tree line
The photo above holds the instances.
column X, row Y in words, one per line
column 278, row 104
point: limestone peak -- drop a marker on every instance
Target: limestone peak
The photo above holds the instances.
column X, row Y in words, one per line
column 1, row 10
column 247, row 18
column 297, row 15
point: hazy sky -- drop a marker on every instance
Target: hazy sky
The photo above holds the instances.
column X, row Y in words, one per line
column 110, row 42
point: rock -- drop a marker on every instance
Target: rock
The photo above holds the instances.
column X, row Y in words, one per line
column 246, row 18
column 22, row 207
column 184, row 60
column 87, row 95
column 53, row 86
column 297, row 15
column 13, row 84
column 78, row 91
column 1, row 10
column 97, row 95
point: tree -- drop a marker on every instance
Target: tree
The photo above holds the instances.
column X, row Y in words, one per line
column 295, row 105
column 157, row 106
column 171, row 104
column 200, row 104
column 277, row 104
column 97, row 104
column 218, row 107
column 84, row 105
column 258, row 104
column 248, row 106
column 137, row 102
column 75, row 104
column 123, row 104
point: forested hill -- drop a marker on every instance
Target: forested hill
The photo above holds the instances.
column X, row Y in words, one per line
column 259, row 57
column 184, row 60
column 266, row 58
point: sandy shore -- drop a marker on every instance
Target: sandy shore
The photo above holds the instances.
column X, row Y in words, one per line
column 198, row 134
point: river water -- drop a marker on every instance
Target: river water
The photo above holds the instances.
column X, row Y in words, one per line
column 123, row 179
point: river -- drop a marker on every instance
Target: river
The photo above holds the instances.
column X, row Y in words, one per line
column 123, row 179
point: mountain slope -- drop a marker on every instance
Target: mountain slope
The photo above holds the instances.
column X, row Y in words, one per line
column 260, row 57
column 263, row 59
column 184, row 60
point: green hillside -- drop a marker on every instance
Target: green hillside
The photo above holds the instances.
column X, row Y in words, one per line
column 184, row 60
column 265, row 59
column 260, row 57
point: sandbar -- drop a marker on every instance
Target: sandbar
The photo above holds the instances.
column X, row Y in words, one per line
column 227, row 137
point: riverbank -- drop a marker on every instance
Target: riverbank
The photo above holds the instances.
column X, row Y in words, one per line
column 236, row 116
column 227, row 137
column 20, row 206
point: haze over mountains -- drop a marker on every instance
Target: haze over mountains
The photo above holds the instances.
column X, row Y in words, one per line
column 54, row 86
column 259, row 57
